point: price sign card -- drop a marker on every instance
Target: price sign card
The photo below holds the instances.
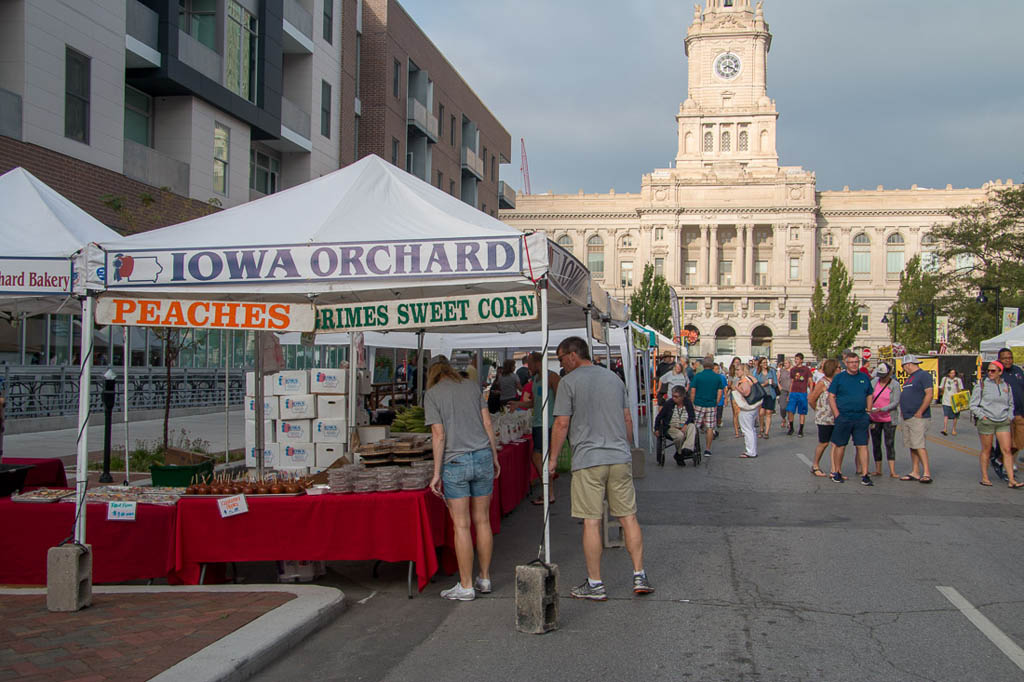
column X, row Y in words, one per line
column 121, row 511
column 232, row 506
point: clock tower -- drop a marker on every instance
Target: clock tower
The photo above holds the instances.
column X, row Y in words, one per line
column 727, row 123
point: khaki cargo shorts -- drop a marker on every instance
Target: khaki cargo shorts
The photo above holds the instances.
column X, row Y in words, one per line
column 913, row 431
column 591, row 486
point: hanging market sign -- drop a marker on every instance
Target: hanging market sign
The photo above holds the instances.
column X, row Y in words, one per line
column 427, row 312
column 488, row 257
column 567, row 274
column 35, row 276
column 168, row 312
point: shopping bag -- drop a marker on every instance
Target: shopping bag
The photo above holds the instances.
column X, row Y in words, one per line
column 564, row 463
column 961, row 401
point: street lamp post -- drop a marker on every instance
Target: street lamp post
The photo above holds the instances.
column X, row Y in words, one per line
column 983, row 299
column 931, row 314
column 895, row 321
column 109, row 382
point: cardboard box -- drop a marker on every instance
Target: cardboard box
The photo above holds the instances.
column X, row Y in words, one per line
column 295, row 431
column 328, row 453
column 372, row 434
column 328, row 381
column 298, row 455
column 331, row 407
column 250, row 384
column 295, row 382
column 270, row 455
column 297, row 406
column 269, row 407
column 269, row 435
column 330, row 431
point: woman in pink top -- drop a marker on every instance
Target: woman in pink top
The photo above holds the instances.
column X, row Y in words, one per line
column 884, row 404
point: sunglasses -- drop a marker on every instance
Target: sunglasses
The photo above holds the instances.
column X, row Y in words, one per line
column 995, row 371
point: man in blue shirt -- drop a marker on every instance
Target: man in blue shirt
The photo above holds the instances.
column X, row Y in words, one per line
column 705, row 394
column 849, row 397
column 915, row 408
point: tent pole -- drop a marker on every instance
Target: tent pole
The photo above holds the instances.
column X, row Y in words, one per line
column 631, row 381
column 84, row 381
column 225, row 341
column 545, row 423
column 419, row 367
column 590, row 336
column 258, row 372
column 607, row 345
column 353, row 387
column 127, row 331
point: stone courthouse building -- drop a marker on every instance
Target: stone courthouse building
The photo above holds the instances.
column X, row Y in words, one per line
column 742, row 239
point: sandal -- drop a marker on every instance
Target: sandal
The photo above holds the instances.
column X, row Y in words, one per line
column 987, row 484
column 928, row 479
column 746, row 456
column 908, row 477
column 818, row 472
column 943, row 433
column 540, row 501
column 1015, row 486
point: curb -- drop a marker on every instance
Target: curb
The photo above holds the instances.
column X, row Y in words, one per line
column 248, row 650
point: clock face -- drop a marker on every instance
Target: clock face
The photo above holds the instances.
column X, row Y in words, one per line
column 727, row 66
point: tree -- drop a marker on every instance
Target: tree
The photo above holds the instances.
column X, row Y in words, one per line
column 650, row 305
column 982, row 247
column 175, row 342
column 835, row 316
column 918, row 291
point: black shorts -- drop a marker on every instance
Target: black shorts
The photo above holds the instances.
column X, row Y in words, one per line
column 825, row 432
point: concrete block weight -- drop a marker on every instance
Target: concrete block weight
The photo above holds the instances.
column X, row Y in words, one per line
column 68, row 577
column 611, row 530
column 536, row 598
column 639, row 470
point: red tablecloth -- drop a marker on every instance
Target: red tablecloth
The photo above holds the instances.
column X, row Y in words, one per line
column 516, row 467
column 122, row 550
column 46, row 472
column 398, row 526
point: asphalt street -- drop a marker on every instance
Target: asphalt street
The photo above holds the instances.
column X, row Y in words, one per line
column 763, row 572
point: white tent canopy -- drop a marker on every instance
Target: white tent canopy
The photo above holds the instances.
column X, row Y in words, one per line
column 41, row 231
column 1014, row 337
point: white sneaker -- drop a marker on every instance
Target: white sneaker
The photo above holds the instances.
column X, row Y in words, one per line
column 459, row 593
column 482, row 585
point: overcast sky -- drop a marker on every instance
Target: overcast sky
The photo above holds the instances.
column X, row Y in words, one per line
column 891, row 92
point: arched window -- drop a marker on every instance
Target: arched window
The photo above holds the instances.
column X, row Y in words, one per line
column 894, row 258
column 565, row 241
column 709, row 142
column 761, row 341
column 726, row 141
column 744, row 141
column 929, row 259
column 627, row 241
column 862, row 256
column 725, row 340
column 595, row 256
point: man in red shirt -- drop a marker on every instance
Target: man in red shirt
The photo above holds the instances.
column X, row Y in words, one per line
column 802, row 382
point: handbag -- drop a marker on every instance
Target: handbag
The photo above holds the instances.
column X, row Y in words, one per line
column 751, row 401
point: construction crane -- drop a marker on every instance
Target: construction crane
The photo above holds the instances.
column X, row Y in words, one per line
column 525, row 168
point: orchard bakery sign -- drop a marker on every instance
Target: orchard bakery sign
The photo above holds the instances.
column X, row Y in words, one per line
column 35, row 276
column 349, row 261
column 427, row 312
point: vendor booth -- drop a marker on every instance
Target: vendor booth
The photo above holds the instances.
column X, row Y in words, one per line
column 1013, row 338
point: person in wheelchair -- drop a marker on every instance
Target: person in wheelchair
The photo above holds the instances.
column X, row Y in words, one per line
column 676, row 421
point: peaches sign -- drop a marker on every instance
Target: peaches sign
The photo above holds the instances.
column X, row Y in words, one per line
column 167, row 312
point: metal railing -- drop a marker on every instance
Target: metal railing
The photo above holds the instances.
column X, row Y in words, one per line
column 33, row 391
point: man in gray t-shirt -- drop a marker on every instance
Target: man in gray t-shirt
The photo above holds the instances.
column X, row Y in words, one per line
column 592, row 408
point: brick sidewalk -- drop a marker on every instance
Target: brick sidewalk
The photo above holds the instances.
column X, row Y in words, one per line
column 121, row 636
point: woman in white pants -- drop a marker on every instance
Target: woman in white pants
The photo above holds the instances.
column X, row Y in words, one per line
column 748, row 413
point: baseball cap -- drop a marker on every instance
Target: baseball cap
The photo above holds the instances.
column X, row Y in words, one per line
column 911, row 360
column 883, row 369
column 438, row 359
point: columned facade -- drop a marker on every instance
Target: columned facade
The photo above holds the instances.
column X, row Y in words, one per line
column 742, row 239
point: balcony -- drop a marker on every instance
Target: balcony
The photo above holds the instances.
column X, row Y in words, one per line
column 506, row 195
column 10, row 114
column 140, row 39
column 298, row 29
column 153, row 168
column 421, row 119
column 194, row 54
column 295, row 129
column 472, row 163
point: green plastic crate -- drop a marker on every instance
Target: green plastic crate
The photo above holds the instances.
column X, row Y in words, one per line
column 179, row 475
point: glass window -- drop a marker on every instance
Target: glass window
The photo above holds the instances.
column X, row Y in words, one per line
column 726, row 306
column 396, row 79
column 626, row 273
column 794, row 320
column 595, row 256
column 483, row 158
column 440, row 179
column 565, row 241
column 221, row 156
column 690, row 272
column 794, row 234
column 895, row 239
column 762, row 306
column 827, row 239
column 864, row 313
column 451, row 187
column 964, row 261
column 794, row 268
column 394, row 150
column 329, row 21
column 725, row 341
column 264, row 172
column 359, row 60
column 761, row 273
column 451, row 129
column 726, row 142
column 893, row 263
column 242, row 51
column 138, row 116
column 355, row 139
column 744, row 141
column 659, row 233
column 198, row 18
column 861, row 263
column 627, row 240
column 709, row 142
column 440, row 121
column 929, row 261
column 325, row 109
column 77, row 69
column 826, row 267
column 725, row 273
column 690, row 305
column 659, row 267
column 862, row 239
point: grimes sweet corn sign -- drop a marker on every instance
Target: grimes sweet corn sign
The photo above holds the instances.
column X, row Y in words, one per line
column 427, row 312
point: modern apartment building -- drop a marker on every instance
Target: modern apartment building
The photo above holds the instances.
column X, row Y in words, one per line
column 223, row 101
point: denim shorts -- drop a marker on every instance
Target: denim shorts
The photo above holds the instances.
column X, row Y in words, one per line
column 469, row 475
